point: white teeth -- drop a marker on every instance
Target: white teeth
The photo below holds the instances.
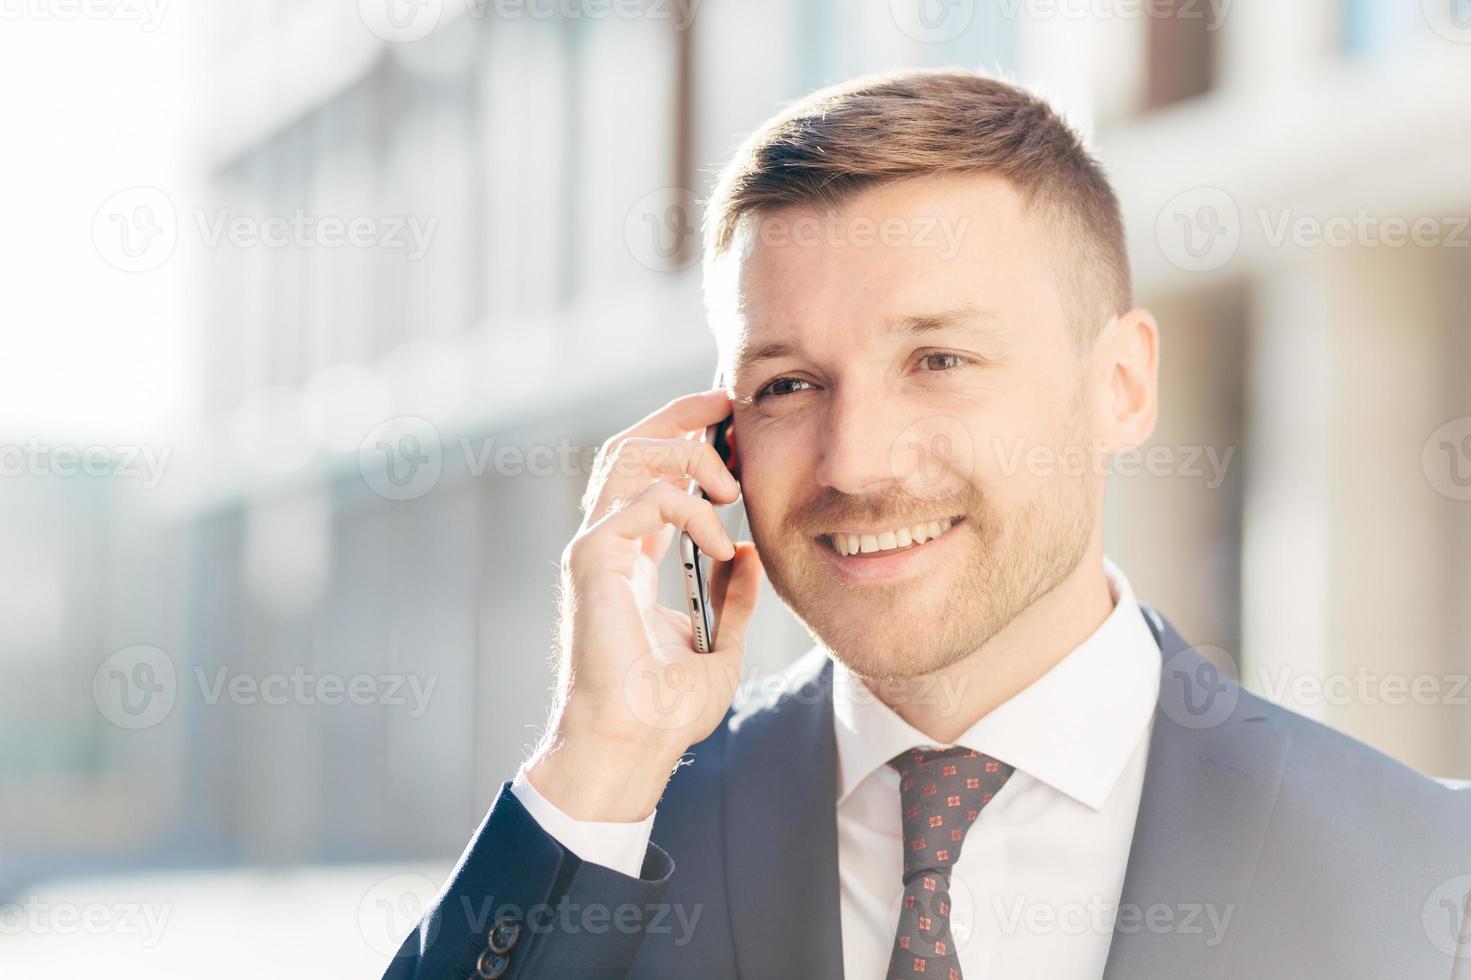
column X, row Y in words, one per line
column 852, row 544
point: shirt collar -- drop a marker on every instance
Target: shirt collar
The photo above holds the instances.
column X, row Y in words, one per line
column 1074, row 728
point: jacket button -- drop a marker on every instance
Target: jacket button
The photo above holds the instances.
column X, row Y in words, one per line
column 503, row 935
column 491, row 965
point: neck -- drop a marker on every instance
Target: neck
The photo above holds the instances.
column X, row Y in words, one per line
column 1012, row 660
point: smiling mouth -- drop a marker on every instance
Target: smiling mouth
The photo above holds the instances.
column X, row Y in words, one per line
column 889, row 541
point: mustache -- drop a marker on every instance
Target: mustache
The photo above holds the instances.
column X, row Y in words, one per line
column 834, row 509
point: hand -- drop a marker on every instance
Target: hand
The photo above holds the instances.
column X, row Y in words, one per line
column 632, row 693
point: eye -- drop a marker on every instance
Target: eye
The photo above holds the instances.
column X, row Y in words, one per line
column 942, row 361
column 779, row 386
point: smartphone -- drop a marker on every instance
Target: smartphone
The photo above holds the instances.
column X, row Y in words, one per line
column 706, row 579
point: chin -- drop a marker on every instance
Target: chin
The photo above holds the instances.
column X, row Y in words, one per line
column 904, row 629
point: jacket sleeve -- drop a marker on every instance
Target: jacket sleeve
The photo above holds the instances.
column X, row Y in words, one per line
column 519, row 905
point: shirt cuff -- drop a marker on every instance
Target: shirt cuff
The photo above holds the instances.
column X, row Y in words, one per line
column 619, row 846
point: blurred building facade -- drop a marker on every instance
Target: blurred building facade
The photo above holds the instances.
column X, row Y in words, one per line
column 558, row 300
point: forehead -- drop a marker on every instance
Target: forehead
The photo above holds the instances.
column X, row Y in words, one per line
column 844, row 277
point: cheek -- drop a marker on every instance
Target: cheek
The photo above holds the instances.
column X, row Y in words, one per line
column 772, row 475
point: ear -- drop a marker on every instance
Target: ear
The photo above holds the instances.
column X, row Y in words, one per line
column 1127, row 357
column 731, row 454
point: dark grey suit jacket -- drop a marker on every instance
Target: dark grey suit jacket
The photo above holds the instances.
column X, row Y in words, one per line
column 1331, row 859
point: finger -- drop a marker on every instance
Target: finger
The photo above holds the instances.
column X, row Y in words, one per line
column 683, row 415
column 661, row 505
column 740, row 599
column 638, row 461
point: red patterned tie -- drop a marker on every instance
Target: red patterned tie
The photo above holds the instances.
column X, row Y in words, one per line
column 941, row 793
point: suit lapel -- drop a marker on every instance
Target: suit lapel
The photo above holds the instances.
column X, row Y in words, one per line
column 781, row 837
column 1214, row 766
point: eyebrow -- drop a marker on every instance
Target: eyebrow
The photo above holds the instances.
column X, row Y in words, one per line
column 967, row 317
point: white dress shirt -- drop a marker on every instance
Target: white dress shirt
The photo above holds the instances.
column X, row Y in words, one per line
column 1036, row 887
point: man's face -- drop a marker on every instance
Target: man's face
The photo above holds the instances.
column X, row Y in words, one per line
column 889, row 382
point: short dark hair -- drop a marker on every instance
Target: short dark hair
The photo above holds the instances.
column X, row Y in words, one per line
column 881, row 128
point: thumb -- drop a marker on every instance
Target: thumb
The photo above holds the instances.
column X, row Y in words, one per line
column 740, row 599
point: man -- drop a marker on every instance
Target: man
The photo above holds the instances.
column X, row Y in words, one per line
column 996, row 762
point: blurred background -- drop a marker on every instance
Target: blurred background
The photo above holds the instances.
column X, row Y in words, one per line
column 314, row 313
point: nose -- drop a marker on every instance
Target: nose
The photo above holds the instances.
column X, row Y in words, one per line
column 855, row 456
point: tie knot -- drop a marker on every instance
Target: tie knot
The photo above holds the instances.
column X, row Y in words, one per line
column 941, row 793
